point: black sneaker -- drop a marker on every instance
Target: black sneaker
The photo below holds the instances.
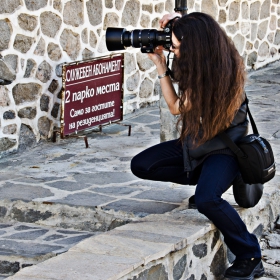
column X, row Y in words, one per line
column 246, row 269
column 192, row 204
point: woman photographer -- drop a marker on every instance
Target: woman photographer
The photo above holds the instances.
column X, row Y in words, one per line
column 211, row 76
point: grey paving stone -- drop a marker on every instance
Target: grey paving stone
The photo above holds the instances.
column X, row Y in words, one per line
column 154, row 126
column 146, row 119
column 54, row 237
column 85, row 199
column 24, row 227
column 31, row 249
column 68, row 231
column 5, row 225
column 23, row 192
column 168, row 195
column 27, row 235
column 68, row 185
column 73, row 240
column 115, row 190
column 63, row 157
column 101, row 178
column 140, row 208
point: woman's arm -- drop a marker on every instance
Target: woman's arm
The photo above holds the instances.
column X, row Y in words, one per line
column 167, row 87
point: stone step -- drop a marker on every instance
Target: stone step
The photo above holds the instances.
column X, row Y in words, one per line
column 25, row 244
column 182, row 244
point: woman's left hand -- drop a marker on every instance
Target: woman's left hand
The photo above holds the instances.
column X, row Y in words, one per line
column 159, row 59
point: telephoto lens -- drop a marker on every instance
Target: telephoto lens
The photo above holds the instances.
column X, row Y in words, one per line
column 146, row 39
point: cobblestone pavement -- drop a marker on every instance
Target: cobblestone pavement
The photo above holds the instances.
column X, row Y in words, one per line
column 56, row 194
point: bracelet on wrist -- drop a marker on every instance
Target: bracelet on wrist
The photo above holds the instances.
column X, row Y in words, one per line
column 163, row 75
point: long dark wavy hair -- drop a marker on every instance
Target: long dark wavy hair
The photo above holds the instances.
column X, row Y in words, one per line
column 211, row 76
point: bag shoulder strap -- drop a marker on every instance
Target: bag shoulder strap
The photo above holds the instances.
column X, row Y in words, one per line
column 253, row 124
column 226, row 139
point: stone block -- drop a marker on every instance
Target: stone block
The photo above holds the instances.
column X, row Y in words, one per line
column 262, row 30
column 92, row 39
column 9, row 267
column 50, row 23
column 27, row 22
column 57, row 4
column 129, row 63
column 218, row 264
column 155, row 272
column 7, row 143
column 265, row 9
column 145, row 21
column 222, row 16
column 277, row 37
column 272, row 23
column 27, row 112
column 9, row 115
column 95, row 11
column 245, row 10
column 143, row 61
column 131, row 12
column 30, row 68
column 9, row 6
column 12, row 61
column 119, row 4
column 44, row 72
column 40, row 48
column 159, row 8
column 146, row 88
column 35, row 5
column 27, row 138
column 239, row 42
column 87, row 54
column 6, row 72
column 263, row 49
column 23, row 43
column 179, row 268
column 255, row 10
column 54, row 52
column 10, row 129
column 147, row 8
column 209, row 7
column 70, row 43
column 132, row 82
column 4, row 97
column 111, row 20
column 84, row 36
column 53, row 86
column 234, row 10
column 73, row 13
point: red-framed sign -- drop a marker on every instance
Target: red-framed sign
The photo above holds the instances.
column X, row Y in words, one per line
column 92, row 93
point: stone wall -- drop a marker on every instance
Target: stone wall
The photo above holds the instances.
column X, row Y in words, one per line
column 38, row 36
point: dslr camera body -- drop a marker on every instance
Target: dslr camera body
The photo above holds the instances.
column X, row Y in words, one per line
column 146, row 39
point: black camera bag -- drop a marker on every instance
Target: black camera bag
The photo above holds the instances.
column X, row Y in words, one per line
column 254, row 155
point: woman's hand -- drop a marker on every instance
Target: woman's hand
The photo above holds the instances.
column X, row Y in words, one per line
column 167, row 18
column 159, row 59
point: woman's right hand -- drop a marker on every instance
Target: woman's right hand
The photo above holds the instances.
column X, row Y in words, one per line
column 159, row 59
column 166, row 18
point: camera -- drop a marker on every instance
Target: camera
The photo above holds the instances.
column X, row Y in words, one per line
column 146, row 39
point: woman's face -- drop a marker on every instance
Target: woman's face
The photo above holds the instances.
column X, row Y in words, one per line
column 175, row 46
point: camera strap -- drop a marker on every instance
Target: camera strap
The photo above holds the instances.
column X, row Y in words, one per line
column 170, row 73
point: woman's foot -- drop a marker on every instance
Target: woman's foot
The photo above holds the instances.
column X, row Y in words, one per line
column 192, row 204
column 246, row 269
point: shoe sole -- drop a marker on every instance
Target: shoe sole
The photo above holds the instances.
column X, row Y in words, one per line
column 256, row 273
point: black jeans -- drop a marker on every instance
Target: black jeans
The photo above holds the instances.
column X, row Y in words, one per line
column 164, row 162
